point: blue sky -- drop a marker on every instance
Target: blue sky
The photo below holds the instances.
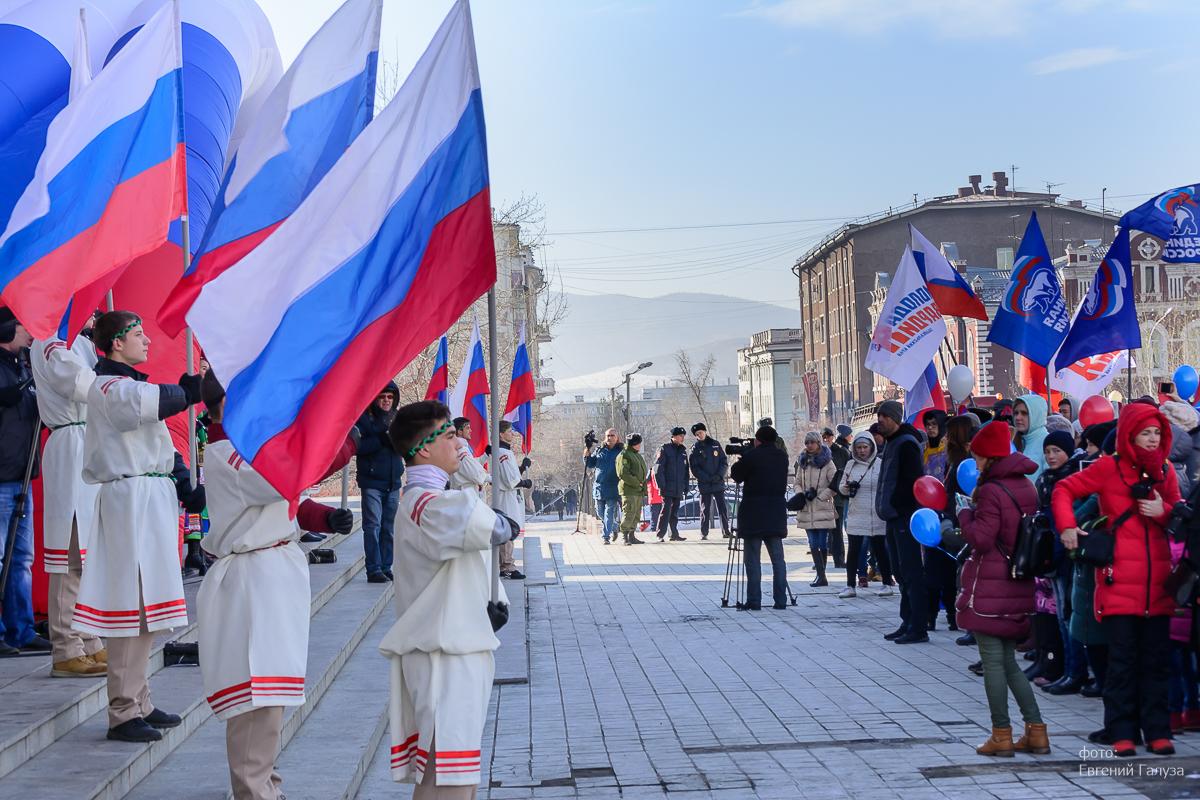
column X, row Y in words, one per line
column 633, row 115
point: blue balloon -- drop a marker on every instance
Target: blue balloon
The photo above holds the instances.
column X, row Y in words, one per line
column 1186, row 382
column 926, row 527
column 968, row 475
column 1012, row 447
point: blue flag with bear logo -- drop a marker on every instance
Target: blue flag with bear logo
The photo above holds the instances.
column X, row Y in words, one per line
column 1032, row 318
column 1107, row 318
column 1173, row 216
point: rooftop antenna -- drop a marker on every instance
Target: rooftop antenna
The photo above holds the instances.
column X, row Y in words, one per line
column 1014, row 179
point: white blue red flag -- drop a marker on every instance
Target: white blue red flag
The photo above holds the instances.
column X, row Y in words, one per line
column 439, row 381
column 382, row 257
column 909, row 330
column 108, row 184
column 925, row 395
column 1107, row 318
column 1032, row 318
column 470, row 396
column 1173, row 216
column 315, row 112
column 951, row 291
column 518, row 409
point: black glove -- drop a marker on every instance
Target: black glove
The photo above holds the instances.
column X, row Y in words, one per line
column 513, row 527
column 525, row 484
column 488, row 449
column 356, row 435
column 191, row 388
column 797, row 503
column 341, row 520
column 193, row 500
column 498, row 614
column 10, row 395
column 525, row 462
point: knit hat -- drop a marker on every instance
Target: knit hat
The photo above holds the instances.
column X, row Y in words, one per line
column 699, row 426
column 992, row 441
column 635, row 439
column 892, row 409
column 1057, row 422
column 1096, row 434
column 1110, row 442
column 1060, row 439
column 1181, row 414
column 678, row 431
column 211, row 390
column 812, row 436
column 844, row 431
column 874, row 429
column 766, row 434
column 766, row 422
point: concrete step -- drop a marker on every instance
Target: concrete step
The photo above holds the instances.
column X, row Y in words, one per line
column 36, row 710
column 339, row 632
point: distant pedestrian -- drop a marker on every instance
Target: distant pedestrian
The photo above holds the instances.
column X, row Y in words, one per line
column 859, row 483
column 608, row 497
column 814, row 474
column 895, row 503
column 709, row 465
column 840, row 448
column 767, row 422
column 380, row 469
column 631, row 471
column 671, row 475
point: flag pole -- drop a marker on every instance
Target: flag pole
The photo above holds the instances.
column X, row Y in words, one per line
column 111, row 307
column 493, row 425
column 194, row 468
column 1129, row 375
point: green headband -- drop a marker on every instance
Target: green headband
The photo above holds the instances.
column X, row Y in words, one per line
column 430, row 439
column 128, row 328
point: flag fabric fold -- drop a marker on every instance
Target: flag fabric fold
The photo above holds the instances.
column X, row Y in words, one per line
column 1173, row 216
column 313, row 114
column 949, row 289
column 385, row 253
column 470, row 395
column 1106, row 319
column 909, row 330
column 439, row 381
column 109, row 182
column 925, row 395
column 1091, row 375
column 518, row 409
column 1032, row 318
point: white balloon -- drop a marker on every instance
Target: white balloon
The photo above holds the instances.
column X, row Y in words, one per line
column 960, row 381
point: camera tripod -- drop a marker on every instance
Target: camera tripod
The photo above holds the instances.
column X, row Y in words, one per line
column 579, row 503
column 735, row 564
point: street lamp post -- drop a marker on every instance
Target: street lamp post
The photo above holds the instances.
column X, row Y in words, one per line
column 629, row 375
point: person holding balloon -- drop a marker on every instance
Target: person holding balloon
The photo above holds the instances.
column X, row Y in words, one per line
column 996, row 608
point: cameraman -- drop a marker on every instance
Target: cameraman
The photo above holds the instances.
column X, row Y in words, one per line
column 606, row 487
column 762, row 514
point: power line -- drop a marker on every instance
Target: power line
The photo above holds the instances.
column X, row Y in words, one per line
column 697, row 227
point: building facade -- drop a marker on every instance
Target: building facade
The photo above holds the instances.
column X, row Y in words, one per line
column 770, row 382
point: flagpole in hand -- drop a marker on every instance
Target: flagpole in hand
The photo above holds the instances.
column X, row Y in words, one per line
column 493, row 426
column 194, row 468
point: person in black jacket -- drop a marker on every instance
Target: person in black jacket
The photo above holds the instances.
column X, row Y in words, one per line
column 709, row 465
column 762, row 514
column 671, row 475
column 901, row 465
column 380, row 468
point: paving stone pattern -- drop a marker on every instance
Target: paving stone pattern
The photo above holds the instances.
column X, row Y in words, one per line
column 641, row 685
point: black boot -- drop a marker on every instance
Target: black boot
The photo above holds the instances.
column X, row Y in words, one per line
column 819, row 557
column 194, row 559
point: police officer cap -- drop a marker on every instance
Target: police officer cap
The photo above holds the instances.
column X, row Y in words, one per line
column 678, row 431
column 699, row 426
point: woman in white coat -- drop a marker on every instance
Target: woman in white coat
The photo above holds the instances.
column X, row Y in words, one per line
column 860, row 480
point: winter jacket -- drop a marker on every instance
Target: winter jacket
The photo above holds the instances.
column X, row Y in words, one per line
column 935, row 452
column 17, row 420
column 899, row 469
column 379, row 466
column 816, row 472
column 604, row 461
column 1036, row 434
column 1142, row 555
column 1181, row 454
column 1187, row 418
column 1181, row 624
column 631, row 472
column 655, row 495
column 860, row 517
column 1084, row 626
column 990, row 602
column 841, row 457
column 763, row 473
column 671, row 470
column 709, row 465
column 1045, row 490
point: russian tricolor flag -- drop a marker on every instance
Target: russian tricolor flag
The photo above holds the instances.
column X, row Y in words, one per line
column 315, row 112
column 470, row 395
column 383, row 256
column 950, row 291
column 109, row 182
column 925, row 395
column 519, row 408
column 439, row 381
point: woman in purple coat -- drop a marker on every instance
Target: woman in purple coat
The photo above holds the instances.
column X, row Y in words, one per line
column 991, row 605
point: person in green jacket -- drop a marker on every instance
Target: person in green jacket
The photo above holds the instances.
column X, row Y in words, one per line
column 631, row 483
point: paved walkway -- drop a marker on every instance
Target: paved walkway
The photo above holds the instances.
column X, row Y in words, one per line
column 642, row 685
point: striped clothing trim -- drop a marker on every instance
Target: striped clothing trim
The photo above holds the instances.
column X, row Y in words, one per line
column 236, row 461
column 419, row 506
column 59, row 558
column 403, row 753
column 107, row 620
column 52, row 346
column 257, row 688
column 457, row 761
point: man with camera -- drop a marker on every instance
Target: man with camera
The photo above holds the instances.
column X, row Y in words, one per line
column 709, row 465
column 606, row 484
column 762, row 515
column 671, row 475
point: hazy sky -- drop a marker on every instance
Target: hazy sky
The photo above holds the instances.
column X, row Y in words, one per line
column 634, row 115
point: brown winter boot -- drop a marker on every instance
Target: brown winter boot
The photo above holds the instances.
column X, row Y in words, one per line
column 1035, row 739
column 1001, row 744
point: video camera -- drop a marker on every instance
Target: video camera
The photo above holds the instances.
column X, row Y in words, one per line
column 737, row 447
column 1181, row 517
column 589, row 439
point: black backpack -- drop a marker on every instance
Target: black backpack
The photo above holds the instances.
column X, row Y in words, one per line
column 1033, row 555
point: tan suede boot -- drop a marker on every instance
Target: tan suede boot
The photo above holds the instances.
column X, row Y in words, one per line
column 1001, row 744
column 79, row 667
column 100, row 656
column 1035, row 739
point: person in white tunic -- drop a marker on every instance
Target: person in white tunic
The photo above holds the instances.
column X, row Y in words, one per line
column 507, row 496
column 131, row 585
column 63, row 375
column 442, row 644
column 471, row 471
column 253, row 607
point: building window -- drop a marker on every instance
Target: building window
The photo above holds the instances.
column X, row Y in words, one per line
column 1175, row 287
column 1148, row 284
column 795, row 402
column 797, row 368
column 1004, row 258
column 1193, row 346
column 1158, row 351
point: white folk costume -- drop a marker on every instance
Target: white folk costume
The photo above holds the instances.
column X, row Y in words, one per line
column 63, row 375
column 471, row 471
column 441, row 645
column 506, row 498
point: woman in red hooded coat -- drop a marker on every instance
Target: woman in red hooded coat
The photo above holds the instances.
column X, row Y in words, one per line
column 1130, row 602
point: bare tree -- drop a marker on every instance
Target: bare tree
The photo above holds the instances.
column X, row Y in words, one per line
column 695, row 377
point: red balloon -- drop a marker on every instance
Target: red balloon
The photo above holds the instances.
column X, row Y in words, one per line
column 930, row 493
column 1095, row 410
